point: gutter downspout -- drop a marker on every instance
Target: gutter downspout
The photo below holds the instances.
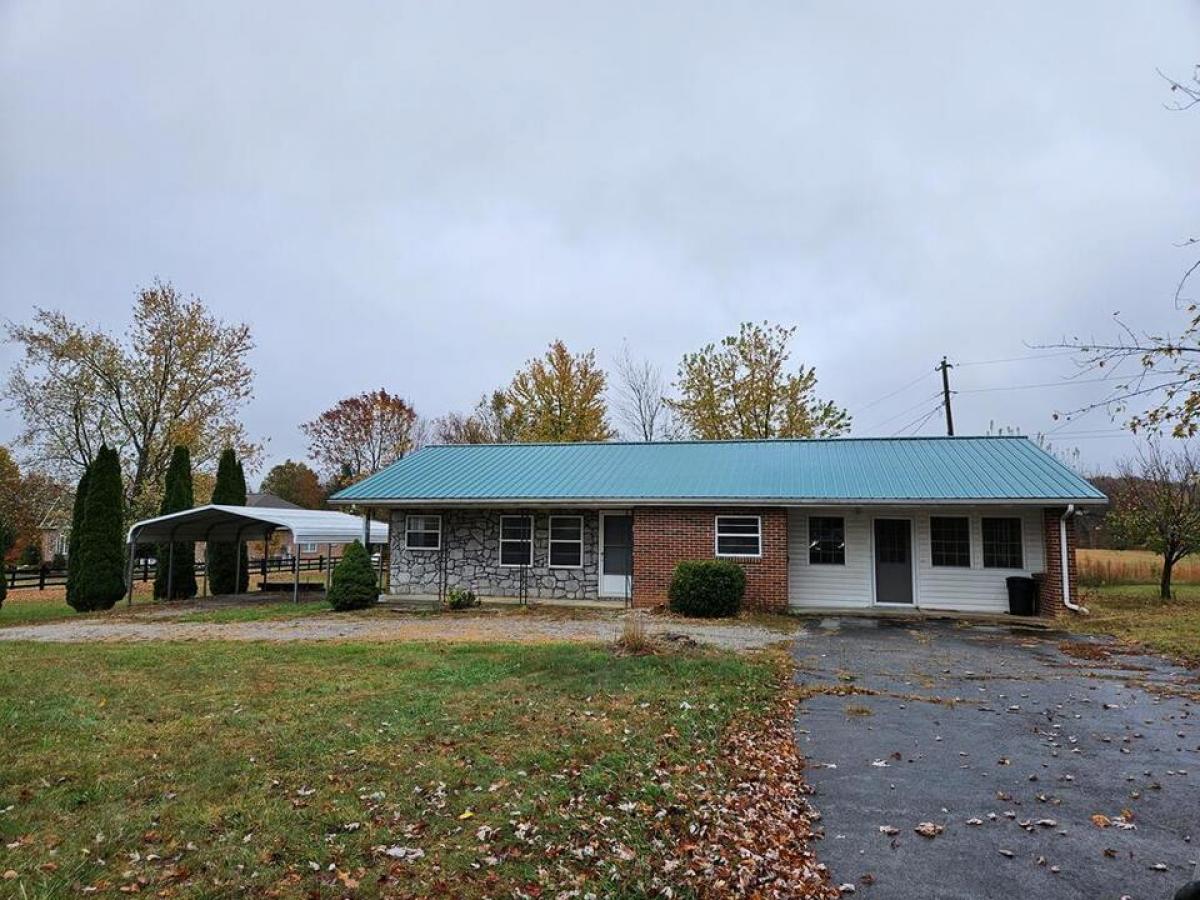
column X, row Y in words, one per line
column 1065, row 563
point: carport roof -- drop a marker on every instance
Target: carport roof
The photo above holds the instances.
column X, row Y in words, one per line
column 836, row 470
column 228, row 523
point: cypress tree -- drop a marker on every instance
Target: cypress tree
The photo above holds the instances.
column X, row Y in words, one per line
column 177, row 497
column 73, row 557
column 229, row 490
column 101, row 541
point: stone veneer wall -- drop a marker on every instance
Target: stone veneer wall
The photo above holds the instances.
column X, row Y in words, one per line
column 472, row 541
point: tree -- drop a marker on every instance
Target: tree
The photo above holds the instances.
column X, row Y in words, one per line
column 74, row 558
column 27, row 499
column 362, row 434
column 1156, row 505
column 492, row 422
column 101, row 572
column 1156, row 373
column 560, row 397
column 641, row 398
column 226, row 574
column 176, row 567
column 296, row 483
column 352, row 584
column 177, row 376
column 740, row 388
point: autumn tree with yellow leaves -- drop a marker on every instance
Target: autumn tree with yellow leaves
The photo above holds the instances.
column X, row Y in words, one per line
column 742, row 388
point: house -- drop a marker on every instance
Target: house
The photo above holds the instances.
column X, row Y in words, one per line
column 288, row 549
column 846, row 523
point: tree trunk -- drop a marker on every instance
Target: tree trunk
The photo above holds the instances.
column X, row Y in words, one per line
column 1164, row 585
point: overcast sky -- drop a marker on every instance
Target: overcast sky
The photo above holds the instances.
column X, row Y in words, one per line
column 420, row 196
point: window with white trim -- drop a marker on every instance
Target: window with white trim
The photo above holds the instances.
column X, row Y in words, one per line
column 423, row 532
column 1002, row 543
column 739, row 536
column 308, row 548
column 566, row 542
column 950, row 541
column 826, row 541
column 516, row 540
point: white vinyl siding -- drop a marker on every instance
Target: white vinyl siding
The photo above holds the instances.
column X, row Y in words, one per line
column 973, row 589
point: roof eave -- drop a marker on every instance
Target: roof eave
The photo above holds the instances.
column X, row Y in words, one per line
column 714, row 501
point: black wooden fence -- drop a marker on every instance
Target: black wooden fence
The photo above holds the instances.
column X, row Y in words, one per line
column 44, row 576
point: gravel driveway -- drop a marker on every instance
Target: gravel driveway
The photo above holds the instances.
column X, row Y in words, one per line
column 381, row 625
column 1010, row 745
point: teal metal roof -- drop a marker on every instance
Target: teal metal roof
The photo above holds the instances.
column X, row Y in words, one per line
column 837, row 470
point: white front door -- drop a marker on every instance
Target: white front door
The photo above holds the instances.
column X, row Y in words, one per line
column 616, row 554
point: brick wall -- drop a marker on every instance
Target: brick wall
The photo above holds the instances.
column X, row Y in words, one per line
column 665, row 536
column 1050, row 586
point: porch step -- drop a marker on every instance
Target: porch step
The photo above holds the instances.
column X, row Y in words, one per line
column 411, row 602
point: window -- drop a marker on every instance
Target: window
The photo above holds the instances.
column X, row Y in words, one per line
column 950, row 541
column 826, row 540
column 566, row 542
column 516, row 540
column 739, row 536
column 308, row 548
column 1002, row 544
column 423, row 532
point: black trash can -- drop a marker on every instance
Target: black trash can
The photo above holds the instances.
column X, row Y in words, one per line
column 1022, row 595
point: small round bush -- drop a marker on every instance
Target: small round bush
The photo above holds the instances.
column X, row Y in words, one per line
column 708, row 588
column 353, row 581
column 461, row 598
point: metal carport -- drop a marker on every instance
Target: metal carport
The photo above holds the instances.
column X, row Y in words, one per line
column 248, row 523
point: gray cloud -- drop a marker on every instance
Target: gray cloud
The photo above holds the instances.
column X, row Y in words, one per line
column 421, row 196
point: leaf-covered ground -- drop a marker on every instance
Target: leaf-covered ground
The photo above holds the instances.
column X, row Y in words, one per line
column 1135, row 613
column 396, row 769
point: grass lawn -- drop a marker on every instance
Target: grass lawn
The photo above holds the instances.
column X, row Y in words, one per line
column 1134, row 613
column 330, row 769
column 28, row 607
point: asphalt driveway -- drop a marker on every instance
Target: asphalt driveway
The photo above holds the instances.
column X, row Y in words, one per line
column 1010, row 746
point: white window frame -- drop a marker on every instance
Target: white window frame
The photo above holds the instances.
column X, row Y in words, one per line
column 1020, row 520
column 502, row 541
column 409, row 516
column 308, row 547
column 970, row 543
column 809, row 533
column 717, row 535
column 550, row 542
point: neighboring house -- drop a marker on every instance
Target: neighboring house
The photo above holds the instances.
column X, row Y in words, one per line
column 280, row 547
column 54, row 532
column 932, row 523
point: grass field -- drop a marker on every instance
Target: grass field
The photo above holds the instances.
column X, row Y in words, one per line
column 212, row 769
column 1098, row 568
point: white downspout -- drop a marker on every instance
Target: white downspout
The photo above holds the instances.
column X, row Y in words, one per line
column 1065, row 561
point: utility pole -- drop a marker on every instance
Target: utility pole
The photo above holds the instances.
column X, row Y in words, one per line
column 945, row 368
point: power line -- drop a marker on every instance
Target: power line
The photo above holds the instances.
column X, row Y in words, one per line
column 906, row 409
column 899, row 390
column 1009, row 359
column 1029, row 387
column 918, row 422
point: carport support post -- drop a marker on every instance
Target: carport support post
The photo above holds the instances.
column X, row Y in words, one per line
column 132, row 550
column 237, row 565
column 296, row 573
column 329, row 566
column 171, row 568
